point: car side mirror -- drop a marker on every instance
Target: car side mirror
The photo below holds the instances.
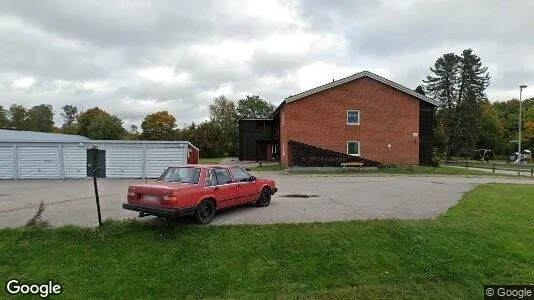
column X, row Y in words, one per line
column 252, row 178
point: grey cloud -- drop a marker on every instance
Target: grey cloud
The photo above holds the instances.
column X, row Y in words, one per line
column 91, row 41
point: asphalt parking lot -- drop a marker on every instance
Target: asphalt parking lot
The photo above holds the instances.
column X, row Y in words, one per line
column 71, row 202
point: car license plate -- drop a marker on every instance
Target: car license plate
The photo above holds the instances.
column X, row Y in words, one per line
column 150, row 198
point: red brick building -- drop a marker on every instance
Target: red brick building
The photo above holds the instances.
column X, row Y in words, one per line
column 363, row 117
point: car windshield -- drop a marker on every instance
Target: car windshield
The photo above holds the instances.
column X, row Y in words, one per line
column 181, row 174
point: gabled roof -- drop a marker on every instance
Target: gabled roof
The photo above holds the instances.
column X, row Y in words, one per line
column 358, row 76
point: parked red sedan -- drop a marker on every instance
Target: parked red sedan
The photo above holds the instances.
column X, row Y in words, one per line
column 198, row 190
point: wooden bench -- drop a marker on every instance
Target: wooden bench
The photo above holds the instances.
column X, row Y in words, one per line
column 353, row 164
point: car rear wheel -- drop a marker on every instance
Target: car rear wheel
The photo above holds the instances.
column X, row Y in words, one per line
column 265, row 198
column 205, row 212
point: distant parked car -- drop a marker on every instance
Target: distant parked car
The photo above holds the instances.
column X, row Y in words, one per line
column 200, row 191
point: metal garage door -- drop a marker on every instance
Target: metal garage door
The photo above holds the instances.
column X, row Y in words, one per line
column 74, row 160
column 158, row 159
column 38, row 162
column 123, row 162
column 6, row 162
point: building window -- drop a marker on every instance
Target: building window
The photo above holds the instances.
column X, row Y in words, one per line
column 282, row 118
column 283, row 149
column 353, row 117
column 353, row 148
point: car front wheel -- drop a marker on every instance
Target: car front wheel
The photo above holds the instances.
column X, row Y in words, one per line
column 205, row 212
column 265, row 198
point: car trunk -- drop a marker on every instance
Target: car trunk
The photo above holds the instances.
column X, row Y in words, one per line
column 151, row 194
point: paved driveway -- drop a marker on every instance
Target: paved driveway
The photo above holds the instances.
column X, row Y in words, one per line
column 337, row 198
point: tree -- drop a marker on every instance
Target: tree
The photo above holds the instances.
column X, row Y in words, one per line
column 69, row 114
column 490, row 134
column 223, row 114
column 41, row 118
column 158, row 126
column 444, row 85
column 459, row 83
column 133, row 128
column 440, row 138
column 207, row 136
column 97, row 124
column 528, row 126
column 19, row 117
column 253, row 107
column 420, row 90
column 474, row 79
column 4, row 117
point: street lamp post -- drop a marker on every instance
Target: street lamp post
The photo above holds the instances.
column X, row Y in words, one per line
column 521, row 87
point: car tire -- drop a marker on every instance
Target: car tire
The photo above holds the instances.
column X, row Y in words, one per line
column 205, row 212
column 265, row 198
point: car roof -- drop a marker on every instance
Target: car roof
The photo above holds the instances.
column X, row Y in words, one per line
column 205, row 166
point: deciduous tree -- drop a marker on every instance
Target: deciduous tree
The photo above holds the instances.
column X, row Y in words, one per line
column 97, row 124
column 223, row 114
column 41, row 118
column 159, row 126
column 69, row 114
column 18, row 116
column 4, row 117
column 254, row 107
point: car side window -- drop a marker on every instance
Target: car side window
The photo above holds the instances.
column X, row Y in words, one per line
column 240, row 175
column 223, row 176
column 211, row 179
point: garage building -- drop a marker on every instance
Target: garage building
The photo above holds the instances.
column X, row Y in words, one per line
column 29, row 155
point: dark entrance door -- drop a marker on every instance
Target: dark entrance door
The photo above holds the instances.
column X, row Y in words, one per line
column 261, row 153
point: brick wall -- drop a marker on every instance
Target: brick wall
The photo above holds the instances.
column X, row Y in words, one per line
column 387, row 116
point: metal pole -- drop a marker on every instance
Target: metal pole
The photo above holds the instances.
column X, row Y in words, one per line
column 97, row 202
column 519, row 139
column 96, row 189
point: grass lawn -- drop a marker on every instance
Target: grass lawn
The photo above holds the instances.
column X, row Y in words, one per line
column 276, row 167
column 209, row 161
column 443, row 170
column 487, row 238
column 423, row 170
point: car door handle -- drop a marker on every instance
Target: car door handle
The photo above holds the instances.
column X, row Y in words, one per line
column 238, row 185
column 216, row 188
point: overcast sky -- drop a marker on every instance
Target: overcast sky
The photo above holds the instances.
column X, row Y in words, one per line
column 134, row 57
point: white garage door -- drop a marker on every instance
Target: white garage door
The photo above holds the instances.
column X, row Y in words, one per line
column 75, row 160
column 123, row 162
column 6, row 162
column 38, row 162
column 159, row 159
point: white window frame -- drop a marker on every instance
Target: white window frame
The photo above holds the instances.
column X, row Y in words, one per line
column 282, row 118
column 347, row 116
column 359, row 148
column 283, row 149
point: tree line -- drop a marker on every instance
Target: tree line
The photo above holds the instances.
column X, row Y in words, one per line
column 465, row 119
column 216, row 137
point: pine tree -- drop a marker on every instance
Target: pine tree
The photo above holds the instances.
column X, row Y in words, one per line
column 443, row 86
column 474, row 79
column 459, row 83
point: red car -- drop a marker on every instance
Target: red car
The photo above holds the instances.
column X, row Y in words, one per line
column 199, row 190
